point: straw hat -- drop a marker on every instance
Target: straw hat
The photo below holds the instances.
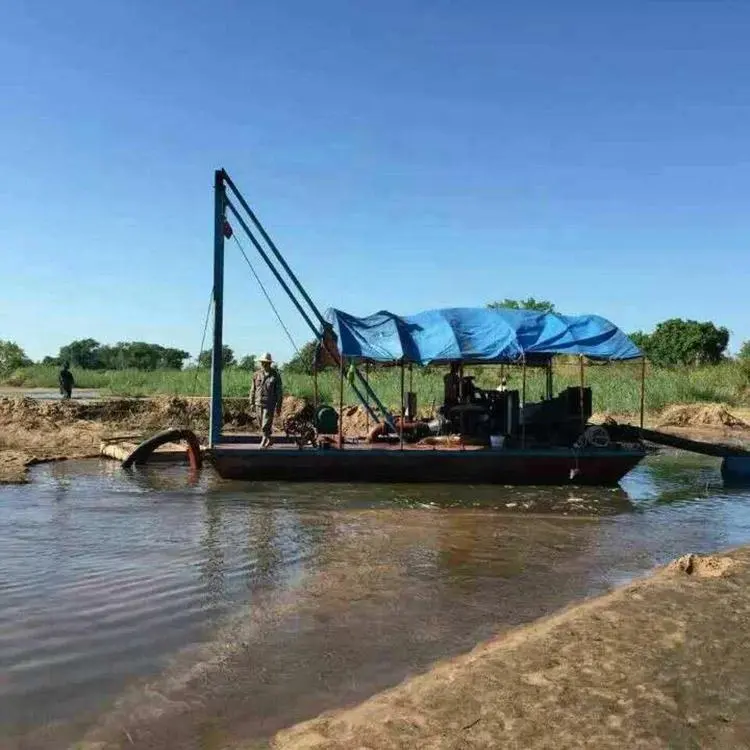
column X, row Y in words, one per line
column 266, row 358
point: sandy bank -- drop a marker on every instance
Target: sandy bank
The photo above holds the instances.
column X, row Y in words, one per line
column 661, row 663
column 33, row 430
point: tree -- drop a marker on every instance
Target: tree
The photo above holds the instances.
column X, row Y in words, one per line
column 89, row 354
column 84, row 353
column 173, row 359
column 51, row 361
column 744, row 353
column 204, row 360
column 540, row 305
column 248, row 363
column 303, row 361
column 686, row 342
column 12, row 357
column 641, row 340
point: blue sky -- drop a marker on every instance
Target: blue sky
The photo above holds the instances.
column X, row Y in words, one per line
column 404, row 155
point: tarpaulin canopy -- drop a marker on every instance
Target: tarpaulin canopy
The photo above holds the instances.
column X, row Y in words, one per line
column 477, row 335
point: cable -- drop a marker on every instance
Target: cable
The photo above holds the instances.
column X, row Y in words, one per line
column 263, row 289
column 203, row 341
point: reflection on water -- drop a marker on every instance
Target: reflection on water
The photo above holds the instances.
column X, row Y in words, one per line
column 347, row 589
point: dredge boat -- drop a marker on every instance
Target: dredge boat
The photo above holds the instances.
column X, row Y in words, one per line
column 476, row 436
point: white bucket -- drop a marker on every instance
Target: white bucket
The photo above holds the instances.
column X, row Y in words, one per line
column 497, row 441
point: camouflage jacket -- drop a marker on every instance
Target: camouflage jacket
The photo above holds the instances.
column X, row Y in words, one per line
column 266, row 390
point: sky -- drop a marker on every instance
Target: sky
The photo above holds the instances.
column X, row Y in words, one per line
column 403, row 155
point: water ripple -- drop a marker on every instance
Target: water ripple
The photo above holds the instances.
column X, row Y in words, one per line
column 104, row 575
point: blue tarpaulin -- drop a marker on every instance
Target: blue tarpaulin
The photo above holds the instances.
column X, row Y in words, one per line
column 478, row 335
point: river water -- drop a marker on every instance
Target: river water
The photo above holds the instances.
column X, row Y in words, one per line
column 111, row 582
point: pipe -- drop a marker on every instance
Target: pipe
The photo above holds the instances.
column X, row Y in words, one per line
column 583, row 415
column 380, row 430
column 270, row 265
column 367, row 405
column 523, row 403
column 291, row 296
column 643, row 390
column 299, row 286
column 274, row 249
column 216, row 414
column 315, row 383
column 403, row 416
column 341, row 404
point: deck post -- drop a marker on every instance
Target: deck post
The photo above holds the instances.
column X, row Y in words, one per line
column 367, row 396
column 582, row 374
column 643, row 390
column 403, row 411
column 216, row 414
column 315, row 382
column 341, row 401
column 550, row 386
column 523, row 402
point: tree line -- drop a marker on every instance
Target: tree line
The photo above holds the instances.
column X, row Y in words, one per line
column 89, row 354
column 673, row 343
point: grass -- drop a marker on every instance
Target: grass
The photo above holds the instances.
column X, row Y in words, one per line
column 616, row 387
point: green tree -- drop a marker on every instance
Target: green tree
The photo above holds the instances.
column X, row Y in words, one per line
column 540, row 305
column 304, row 360
column 51, row 361
column 173, row 359
column 12, row 357
column 139, row 355
column 83, row 353
column 248, row 363
column 641, row 340
column 744, row 353
column 686, row 342
column 204, row 360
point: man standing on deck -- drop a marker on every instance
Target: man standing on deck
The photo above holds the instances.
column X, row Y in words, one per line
column 265, row 397
column 65, row 379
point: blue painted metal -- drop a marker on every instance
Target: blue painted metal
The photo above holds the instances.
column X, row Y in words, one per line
column 313, row 327
column 736, row 469
column 265, row 257
column 321, row 320
column 216, row 414
column 274, row 250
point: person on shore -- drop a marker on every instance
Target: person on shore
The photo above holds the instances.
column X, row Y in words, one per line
column 66, row 381
column 265, row 397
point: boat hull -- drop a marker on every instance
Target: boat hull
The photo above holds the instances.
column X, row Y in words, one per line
column 509, row 467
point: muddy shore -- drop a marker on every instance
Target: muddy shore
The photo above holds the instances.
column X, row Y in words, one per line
column 660, row 663
column 33, row 431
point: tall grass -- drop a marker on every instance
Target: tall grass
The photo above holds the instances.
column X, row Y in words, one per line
column 616, row 387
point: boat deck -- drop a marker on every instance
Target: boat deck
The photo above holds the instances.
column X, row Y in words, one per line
column 240, row 457
column 349, row 445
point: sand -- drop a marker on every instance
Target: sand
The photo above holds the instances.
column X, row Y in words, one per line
column 660, row 663
column 699, row 415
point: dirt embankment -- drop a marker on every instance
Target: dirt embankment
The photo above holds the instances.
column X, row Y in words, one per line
column 713, row 423
column 32, row 431
column 35, row 430
column 661, row 663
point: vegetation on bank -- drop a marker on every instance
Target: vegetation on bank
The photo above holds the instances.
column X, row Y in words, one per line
column 687, row 363
column 616, row 387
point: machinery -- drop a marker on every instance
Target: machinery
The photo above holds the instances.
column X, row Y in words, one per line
column 470, row 411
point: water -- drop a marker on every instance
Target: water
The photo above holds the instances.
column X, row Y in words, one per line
column 49, row 394
column 331, row 592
